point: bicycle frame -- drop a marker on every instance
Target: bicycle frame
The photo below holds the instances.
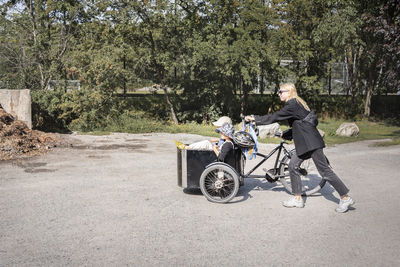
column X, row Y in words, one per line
column 278, row 149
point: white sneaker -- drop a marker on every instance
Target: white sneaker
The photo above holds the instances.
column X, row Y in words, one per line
column 344, row 205
column 293, row 202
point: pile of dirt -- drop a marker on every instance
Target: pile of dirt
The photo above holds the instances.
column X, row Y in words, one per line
column 17, row 140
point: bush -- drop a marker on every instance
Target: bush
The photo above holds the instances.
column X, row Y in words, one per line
column 92, row 110
column 46, row 111
column 132, row 121
column 87, row 110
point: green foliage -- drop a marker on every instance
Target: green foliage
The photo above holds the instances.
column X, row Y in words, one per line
column 101, row 69
column 46, row 111
column 210, row 54
column 369, row 130
column 395, row 141
column 41, row 32
column 137, row 123
column 94, row 110
column 133, row 122
column 87, row 110
column 152, row 105
column 310, row 89
column 83, row 110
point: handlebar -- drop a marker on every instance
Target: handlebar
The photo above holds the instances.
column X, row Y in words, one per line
column 252, row 123
column 283, row 137
column 278, row 134
column 243, row 117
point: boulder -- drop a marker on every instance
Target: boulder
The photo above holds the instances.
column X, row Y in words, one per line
column 268, row 130
column 322, row 133
column 348, row 129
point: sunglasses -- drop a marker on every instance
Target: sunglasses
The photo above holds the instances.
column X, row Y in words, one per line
column 282, row 91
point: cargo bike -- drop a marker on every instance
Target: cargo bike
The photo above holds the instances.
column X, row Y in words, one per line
column 220, row 182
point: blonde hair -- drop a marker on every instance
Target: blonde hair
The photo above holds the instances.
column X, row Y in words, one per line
column 293, row 94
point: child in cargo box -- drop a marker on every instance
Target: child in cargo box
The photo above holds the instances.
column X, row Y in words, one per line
column 207, row 144
column 224, row 150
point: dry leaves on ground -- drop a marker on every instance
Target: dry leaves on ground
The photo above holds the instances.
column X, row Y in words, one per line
column 17, row 140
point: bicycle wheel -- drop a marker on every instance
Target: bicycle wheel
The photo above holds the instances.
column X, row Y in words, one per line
column 311, row 180
column 219, row 183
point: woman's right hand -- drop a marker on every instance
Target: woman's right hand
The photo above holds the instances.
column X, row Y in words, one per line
column 249, row 118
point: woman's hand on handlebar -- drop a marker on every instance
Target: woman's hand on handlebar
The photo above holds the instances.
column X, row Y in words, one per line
column 249, row 118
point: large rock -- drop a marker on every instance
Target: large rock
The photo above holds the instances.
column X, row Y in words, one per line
column 322, row 133
column 348, row 129
column 268, row 130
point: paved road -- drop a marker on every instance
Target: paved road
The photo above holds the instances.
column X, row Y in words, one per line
column 114, row 200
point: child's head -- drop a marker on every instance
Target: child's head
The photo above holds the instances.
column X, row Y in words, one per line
column 226, row 130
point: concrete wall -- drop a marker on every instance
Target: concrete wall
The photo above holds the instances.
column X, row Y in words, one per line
column 18, row 104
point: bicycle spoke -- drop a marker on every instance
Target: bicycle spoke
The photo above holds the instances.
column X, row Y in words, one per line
column 219, row 183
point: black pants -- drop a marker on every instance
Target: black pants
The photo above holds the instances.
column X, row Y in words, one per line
column 323, row 168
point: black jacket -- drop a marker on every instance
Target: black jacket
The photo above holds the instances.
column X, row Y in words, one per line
column 305, row 134
column 226, row 153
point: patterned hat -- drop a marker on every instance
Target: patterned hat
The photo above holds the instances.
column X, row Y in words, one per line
column 226, row 129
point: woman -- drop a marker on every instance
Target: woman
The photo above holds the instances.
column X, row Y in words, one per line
column 308, row 143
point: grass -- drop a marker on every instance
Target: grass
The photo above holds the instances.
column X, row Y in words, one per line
column 369, row 130
column 389, row 143
column 99, row 133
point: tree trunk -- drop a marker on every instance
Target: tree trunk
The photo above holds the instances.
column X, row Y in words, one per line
column 124, row 66
column 245, row 94
column 367, row 105
column 171, row 107
column 370, row 89
column 32, row 15
column 348, row 76
column 330, row 78
column 261, row 85
column 274, row 96
column 355, row 84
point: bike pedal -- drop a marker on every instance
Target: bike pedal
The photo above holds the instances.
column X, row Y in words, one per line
column 270, row 171
column 267, row 170
column 269, row 177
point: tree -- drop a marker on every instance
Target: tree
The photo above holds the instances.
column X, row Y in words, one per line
column 227, row 52
column 382, row 32
column 154, row 37
column 341, row 25
column 45, row 30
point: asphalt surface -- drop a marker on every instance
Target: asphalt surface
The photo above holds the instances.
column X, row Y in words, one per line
column 113, row 200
